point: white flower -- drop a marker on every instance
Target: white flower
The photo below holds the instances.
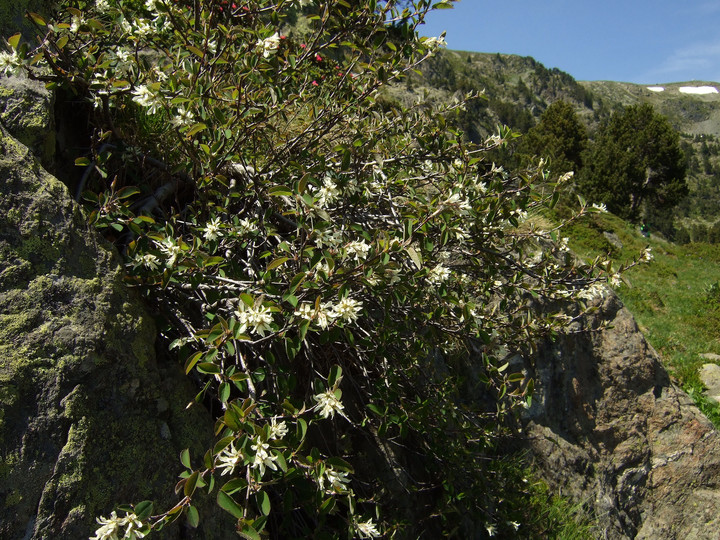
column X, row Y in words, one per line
column 183, row 117
column 514, row 524
column 123, row 55
column 171, row 250
column 328, row 404
column 305, row 311
column 277, row 430
column 247, row 226
column 148, row 260
column 111, row 528
column 329, row 238
column 228, row 459
column 491, row 530
column 347, row 309
column 145, row 97
column 151, row 5
column 263, row 458
column 615, row 280
column 102, row 5
column 596, row 290
column 565, row 177
column 337, row 481
column 328, row 193
column 647, row 256
column 600, row 207
column 126, row 26
column 212, row 230
column 367, row 529
column 76, row 23
column 456, row 199
column 357, row 250
column 438, row 274
column 8, row 62
column 133, row 525
column 258, row 319
column 144, row 28
column 324, row 316
column 434, row 43
column 269, row 45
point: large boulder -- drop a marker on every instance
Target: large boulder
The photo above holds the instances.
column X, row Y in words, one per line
column 89, row 417
column 608, row 428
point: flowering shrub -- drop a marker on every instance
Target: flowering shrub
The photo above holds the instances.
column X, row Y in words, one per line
column 331, row 267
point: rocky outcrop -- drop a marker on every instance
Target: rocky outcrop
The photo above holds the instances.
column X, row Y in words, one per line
column 89, row 418
column 609, row 428
column 26, row 110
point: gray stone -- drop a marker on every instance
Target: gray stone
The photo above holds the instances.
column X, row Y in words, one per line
column 710, row 377
column 614, row 239
column 80, row 426
column 710, row 356
column 609, row 428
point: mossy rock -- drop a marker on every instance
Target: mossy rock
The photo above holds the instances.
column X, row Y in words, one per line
column 89, row 418
column 26, row 110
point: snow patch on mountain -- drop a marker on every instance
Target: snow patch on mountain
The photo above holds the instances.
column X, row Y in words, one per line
column 698, row 90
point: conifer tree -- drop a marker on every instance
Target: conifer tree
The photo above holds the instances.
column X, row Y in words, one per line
column 560, row 136
column 636, row 164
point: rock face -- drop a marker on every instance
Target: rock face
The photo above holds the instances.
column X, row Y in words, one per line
column 609, row 429
column 26, row 111
column 88, row 417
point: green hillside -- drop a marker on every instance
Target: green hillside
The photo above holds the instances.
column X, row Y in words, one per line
column 515, row 91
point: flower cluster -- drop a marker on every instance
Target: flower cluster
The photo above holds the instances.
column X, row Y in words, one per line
column 329, row 403
column 116, row 528
column 256, row 318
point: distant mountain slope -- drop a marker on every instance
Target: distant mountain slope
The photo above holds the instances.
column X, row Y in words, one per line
column 689, row 113
column 516, row 91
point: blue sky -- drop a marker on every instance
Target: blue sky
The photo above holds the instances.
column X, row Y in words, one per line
column 639, row 41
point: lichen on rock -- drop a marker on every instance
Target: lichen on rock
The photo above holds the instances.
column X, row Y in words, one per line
column 88, row 416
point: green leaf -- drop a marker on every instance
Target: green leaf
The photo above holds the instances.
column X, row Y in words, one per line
column 327, row 506
column 335, row 375
column 14, row 41
column 415, row 257
column 193, row 517
column 37, row 19
column 227, row 503
column 337, row 463
column 215, row 332
column 279, row 191
column 234, row 485
column 224, row 392
column 249, row 533
column 277, row 262
column 126, row 192
column 143, row 510
column 195, row 51
column 197, row 128
column 222, row 444
column 374, row 408
column 263, row 500
column 185, row 458
column 208, row 368
column 190, row 484
column 190, row 362
column 82, row 162
column 301, row 428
